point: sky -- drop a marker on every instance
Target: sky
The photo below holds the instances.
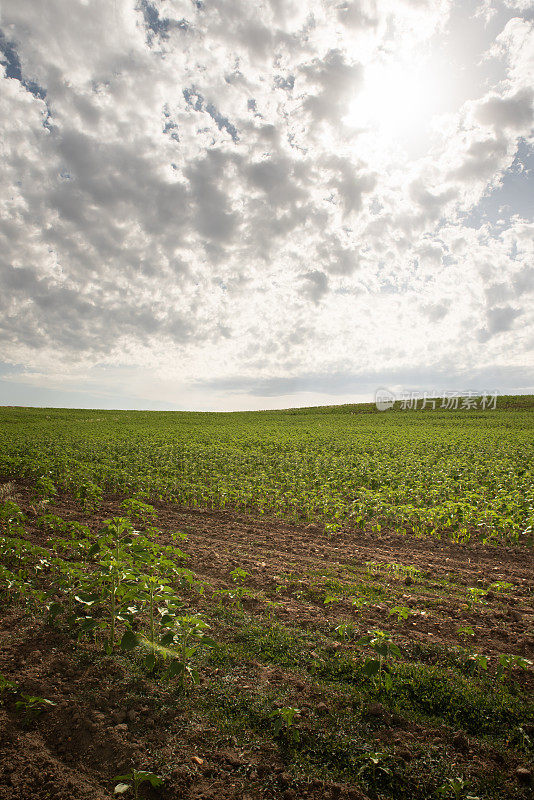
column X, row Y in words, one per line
column 226, row 204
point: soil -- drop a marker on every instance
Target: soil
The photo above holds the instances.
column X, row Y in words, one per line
column 105, row 720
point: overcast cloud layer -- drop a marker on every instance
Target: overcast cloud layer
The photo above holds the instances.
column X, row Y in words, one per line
column 234, row 204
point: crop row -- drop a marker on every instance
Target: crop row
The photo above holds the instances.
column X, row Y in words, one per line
column 460, row 476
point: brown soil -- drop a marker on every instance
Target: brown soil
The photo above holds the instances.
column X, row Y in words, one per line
column 105, row 721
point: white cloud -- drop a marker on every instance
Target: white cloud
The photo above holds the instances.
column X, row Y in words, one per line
column 186, row 191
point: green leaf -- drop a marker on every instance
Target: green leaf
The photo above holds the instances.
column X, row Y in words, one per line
column 155, row 781
column 87, row 624
column 207, row 640
column 381, row 648
column 130, row 640
column 54, row 609
column 175, row 668
column 194, row 676
column 150, row 661
column 371, row 667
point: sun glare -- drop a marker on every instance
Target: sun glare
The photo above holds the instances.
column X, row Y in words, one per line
column 396, row 102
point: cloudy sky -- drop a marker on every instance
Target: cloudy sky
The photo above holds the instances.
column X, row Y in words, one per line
column 227, row 204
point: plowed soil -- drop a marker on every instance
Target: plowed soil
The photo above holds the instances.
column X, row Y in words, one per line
column 105, row 719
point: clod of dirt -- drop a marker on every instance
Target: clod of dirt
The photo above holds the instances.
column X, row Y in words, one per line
column 284, row 779
column 524, row 776
column 322, row 709
column 408, row 581
column 229, row 757
column 332, row 647
column 376, row 710
column 355, row 794
column 461, row 743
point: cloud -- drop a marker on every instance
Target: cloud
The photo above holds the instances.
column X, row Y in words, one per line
column 431, row 379
column 330, row 82
column 186, row 189
column 483, row 160
column 358, row 15
column 315, row 285
column 499, row 319
column 514, row 111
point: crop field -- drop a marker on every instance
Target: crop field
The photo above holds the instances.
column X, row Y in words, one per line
column 313, row 603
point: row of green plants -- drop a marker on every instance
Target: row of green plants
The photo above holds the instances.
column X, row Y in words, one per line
column 123, row 589
column 120, row 587
column 463, row 476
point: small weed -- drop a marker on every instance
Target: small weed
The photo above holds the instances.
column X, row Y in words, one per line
column 7, row 686
column 455, row 788
column 374, row 764
column 465, row 630
column 7, row 491
column 474, row 596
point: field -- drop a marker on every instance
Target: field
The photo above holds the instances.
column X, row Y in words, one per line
column 330, row 602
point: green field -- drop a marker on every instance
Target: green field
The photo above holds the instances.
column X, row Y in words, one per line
column 326, row 602
column 458, row 474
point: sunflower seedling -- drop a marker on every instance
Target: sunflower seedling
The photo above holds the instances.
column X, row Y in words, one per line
column 402, row 612
column 136, row 509
column 507, row 663
column 344, row 629
column 465, row 631
column 90, row 496
column 384, row 647
column 476, row 663
column 44, row 489
column 32, row 707
column 136, row 778
column 188, row 635
column 239, row 575
column 283, row 722
column 373, row 763
column 474, row 596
